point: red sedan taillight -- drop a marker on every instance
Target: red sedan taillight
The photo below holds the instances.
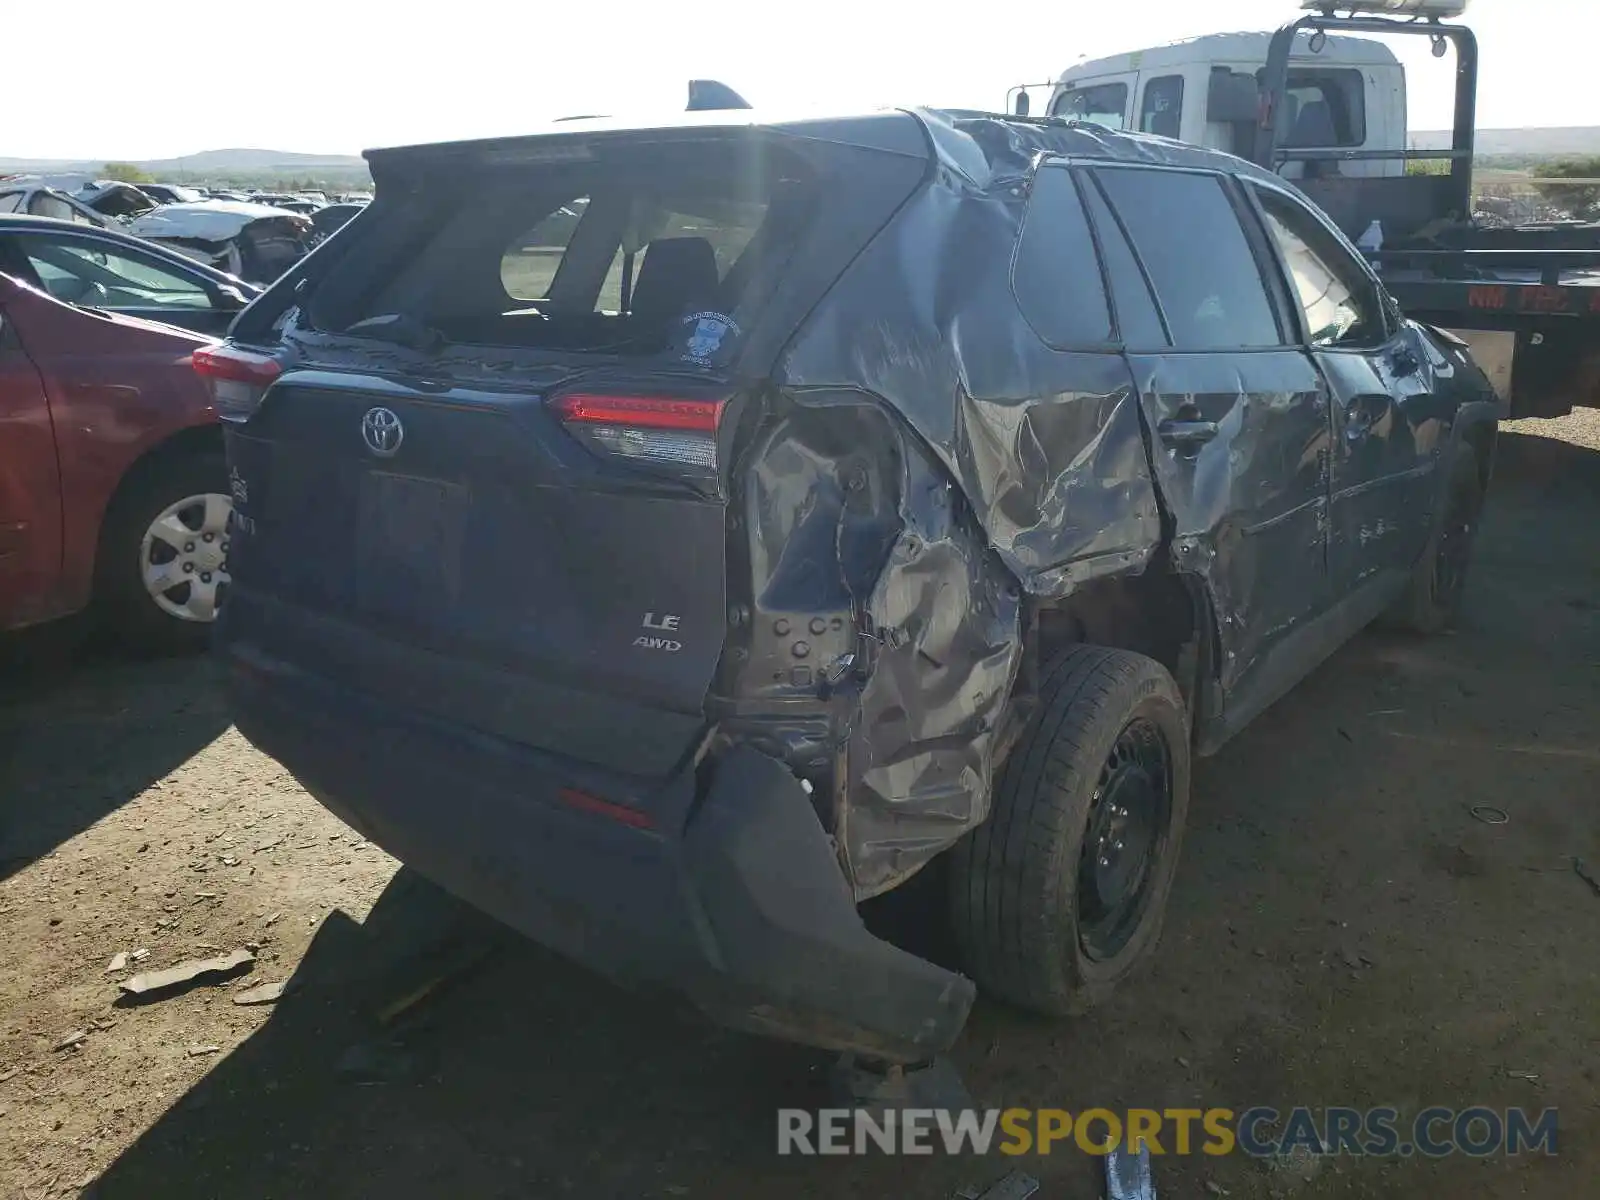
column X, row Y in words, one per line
column 238, row 378
column 654, row 430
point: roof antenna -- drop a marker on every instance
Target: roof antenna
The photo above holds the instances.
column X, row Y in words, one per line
column 708, row 94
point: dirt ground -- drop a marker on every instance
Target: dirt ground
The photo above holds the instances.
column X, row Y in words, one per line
column 1343, row 931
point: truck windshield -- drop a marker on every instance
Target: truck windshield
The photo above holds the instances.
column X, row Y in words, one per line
column 1099, row 104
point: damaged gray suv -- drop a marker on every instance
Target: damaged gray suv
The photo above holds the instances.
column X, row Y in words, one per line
column 668, row 538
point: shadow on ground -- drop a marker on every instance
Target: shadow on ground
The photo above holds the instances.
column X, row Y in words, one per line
column 85, row 727
column 523, row 1076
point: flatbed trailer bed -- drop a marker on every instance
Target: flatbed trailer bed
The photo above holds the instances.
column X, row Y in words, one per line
column 1531, row 316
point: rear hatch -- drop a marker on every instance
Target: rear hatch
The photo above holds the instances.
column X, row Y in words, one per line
column 483, row 444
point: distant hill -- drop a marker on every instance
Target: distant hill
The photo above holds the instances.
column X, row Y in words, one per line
column 1524, row 143
column 210, row 164
column 245, row 163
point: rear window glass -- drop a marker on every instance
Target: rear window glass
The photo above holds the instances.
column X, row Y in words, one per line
column 607, row 256
column 529, row 267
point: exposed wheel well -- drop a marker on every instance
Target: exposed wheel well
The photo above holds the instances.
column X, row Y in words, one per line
column 1160, row 614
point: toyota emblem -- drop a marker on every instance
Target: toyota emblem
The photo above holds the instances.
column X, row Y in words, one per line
column 382, row 432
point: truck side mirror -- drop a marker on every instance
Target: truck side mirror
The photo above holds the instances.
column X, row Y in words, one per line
column 1023, row 103
column 1233, row 98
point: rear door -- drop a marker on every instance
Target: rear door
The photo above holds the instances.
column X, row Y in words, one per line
column 1388, row 424
column 30, row 486
column 1239, row 413
column 498, row 494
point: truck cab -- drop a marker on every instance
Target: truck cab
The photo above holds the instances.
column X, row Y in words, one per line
column 1350, row 96
column 1322, row 102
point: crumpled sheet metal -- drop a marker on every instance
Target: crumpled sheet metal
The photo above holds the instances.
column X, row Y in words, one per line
column 984, row 149
column 1026, row 471
column 863, row 555
column 1047, row 446
column 921, row 752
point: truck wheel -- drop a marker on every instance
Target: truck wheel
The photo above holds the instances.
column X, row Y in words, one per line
column 1061, row 892
column 1433, row 601
column 161, row 571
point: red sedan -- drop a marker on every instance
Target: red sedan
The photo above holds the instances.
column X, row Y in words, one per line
column 113, row 491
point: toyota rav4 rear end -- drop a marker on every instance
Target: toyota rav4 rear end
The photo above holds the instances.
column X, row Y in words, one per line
column 544, row 581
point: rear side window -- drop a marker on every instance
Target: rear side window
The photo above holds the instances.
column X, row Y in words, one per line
column 1138, row 322
column 1206, row 279
column 1100, row 104
column 605, row 254
column 1056, row 276
column 1161, row 112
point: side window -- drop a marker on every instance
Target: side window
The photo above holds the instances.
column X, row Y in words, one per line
column 1056, row 276
column 1102, row 104
column 1327, row 108
column 11, row 202
column 43, row 204
column 1187, row 234
column 1162, row 109
column 93, row 274
column 1340, row 301
column 1138, row 322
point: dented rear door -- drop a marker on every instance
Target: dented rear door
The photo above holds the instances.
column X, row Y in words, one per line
column 1238, row 415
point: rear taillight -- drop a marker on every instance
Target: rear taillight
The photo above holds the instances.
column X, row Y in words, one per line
column 656, row 430
column 238, row 378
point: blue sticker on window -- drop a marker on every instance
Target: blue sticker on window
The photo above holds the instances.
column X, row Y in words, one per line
column 709, row 338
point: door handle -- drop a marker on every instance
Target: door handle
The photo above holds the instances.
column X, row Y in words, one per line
column 1186, row 435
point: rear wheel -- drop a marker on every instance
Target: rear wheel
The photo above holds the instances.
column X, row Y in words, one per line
column 162, row 568
column 1433, row 601
column 1062, row 891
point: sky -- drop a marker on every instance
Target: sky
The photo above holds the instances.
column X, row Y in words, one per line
column 171, row 77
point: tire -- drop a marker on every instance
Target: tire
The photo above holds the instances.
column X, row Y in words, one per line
column 130, row 542
column 1432, row 603
column 1023, row 910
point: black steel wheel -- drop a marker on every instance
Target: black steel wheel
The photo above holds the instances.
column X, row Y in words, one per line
column 1130, row 816
column 1062, row 891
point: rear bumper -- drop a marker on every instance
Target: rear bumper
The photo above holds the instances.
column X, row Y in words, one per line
column 732, row 897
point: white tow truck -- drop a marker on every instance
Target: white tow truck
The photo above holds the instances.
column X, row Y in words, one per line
column 1322, row 102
